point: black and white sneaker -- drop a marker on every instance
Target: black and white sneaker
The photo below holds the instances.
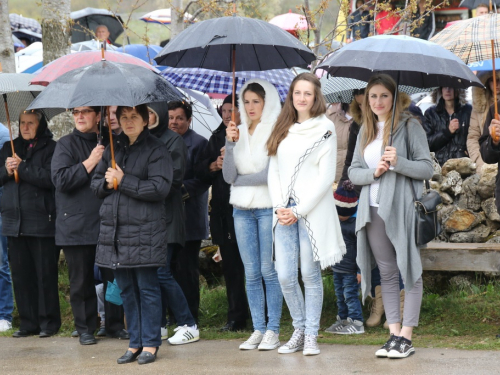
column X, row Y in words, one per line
column 386, row 348
column 402, row 349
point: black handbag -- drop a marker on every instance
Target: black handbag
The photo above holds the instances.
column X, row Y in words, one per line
column 427, row 225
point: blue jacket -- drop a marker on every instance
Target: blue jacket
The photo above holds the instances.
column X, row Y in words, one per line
column 196, row 206
column 4, row 134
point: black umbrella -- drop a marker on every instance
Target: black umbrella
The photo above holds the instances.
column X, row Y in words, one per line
column 473, row 4
column 86, row 21
column 410, row 61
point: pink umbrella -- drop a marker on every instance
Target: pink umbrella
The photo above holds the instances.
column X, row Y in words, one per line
column 290, row 22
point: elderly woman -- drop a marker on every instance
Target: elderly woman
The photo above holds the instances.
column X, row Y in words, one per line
column 28, row 214
column 133, row 239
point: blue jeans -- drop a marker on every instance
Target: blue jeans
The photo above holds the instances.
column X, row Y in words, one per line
column 172, row 295
column 292, row 242
column 347, row 293
column 253, row 229
column 6, row 298
column 142, row 305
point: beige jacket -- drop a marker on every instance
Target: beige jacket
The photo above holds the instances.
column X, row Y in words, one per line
column 342, row 128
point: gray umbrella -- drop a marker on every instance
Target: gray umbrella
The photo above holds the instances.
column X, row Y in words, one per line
column 106, row 83
column 258, row 45
column 86, row 21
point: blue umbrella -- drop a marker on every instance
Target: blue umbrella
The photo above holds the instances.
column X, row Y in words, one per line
column 483, row 66
column 143, row 52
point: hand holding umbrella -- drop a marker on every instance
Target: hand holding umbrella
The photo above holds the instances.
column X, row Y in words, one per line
column 112, row 149
column 16, row 175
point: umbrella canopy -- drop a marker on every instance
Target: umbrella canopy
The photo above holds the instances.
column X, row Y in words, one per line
column 473, row 4
column 106, row 83
column 222, row 83
column 164, row 17
column 471, row 39
column 411, row 61
column 86, row 21
column 145, row 53
column 17, row 41
column 81, row 59
column 19, row 94
column 339, row 89
column 291, row 21
column 23, row 27
column 258, row 46
column 484, row 66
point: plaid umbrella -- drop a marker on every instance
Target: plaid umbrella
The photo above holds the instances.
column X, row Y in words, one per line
column 339, row 89
column 25, row 25
column 473, row 4
column 213, row 81
column 471, row 39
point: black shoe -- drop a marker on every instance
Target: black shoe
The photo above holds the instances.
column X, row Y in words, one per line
column 47, row 333
column 147, row 357
column 121, row 334
column 23, row 333
column 75, row 334
column 233, row 326
column 387, row 347
column 128, row 357
column 87, row 339
column 101, row 332
column 402, row 349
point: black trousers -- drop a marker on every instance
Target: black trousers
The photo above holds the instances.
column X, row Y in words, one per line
column 34, row 268
column 83, row 299
column 114, row 313
column 186, row 270
column 234, row 275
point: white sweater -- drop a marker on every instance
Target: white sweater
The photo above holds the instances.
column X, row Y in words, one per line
column 372, row 155
column 312, row 190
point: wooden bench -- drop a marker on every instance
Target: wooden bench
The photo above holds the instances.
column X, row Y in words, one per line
column 447, row 256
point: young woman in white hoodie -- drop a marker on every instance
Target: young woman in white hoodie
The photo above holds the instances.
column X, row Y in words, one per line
column 245, row 167
column 303, row 150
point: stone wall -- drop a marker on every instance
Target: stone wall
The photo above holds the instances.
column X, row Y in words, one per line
column 469, row 212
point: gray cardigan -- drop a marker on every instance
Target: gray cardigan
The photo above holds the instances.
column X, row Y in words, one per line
column 396, row 202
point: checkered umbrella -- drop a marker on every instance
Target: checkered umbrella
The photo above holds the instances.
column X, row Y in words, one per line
column 25, row 25
column 471, row 39
column 213, row 81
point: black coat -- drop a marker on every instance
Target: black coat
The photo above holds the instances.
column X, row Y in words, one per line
column 489, row 152
column 351, row 146
column 221, row 212
column 196, row 205
column 29, row 208
column 133, row 231
column 426, row 29
column 441, row 141
column 77, row 206
column 359, row 24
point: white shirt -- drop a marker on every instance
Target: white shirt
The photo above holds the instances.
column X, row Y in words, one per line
column 372, row 155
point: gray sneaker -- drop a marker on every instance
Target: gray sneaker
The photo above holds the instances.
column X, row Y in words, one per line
column 337, row 326
column 353, row 327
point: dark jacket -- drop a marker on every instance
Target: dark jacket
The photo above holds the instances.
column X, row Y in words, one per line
column 348, row 262
column 358, row 24
column 196, row 205
column 28, row 207
column 426, row 29
column 77, row 206
column 441, row 141
column 489, row 152
column 174, row 206
column 133, row 231
column 221, row 212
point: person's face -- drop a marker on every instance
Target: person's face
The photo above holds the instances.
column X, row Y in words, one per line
column 380, row 99
column 227, row 112
column 86, row 119
column 359, row 99
column 28, row 125
column 359, row 4
column 102, row 34
column 177, row 121
column 490, row 81
column 152, row 117
column 448, row 93
column 303, row 97
column 481, row 11
column 112, row 118
column 132, row 123
column 254, row 106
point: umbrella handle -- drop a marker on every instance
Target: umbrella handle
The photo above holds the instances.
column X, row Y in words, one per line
column 112, row 149
column 493, row 134
column 16, row 175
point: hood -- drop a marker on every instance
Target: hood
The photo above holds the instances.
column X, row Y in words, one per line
column 436, row 95
column 479, row 101
column 272, row 104
column 161, row 124
column 357, row 114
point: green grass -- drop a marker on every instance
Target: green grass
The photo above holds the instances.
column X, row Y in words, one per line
column 465, row 317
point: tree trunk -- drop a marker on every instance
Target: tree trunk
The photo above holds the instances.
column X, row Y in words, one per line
column 6, row 44
column 177, row 16
column 56, row 34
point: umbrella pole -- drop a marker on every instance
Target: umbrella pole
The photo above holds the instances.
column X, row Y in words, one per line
column 16, row 175
column 112, row 148
column 103, row 116
column 233, row 114
column 495, row 137
column 394, row 109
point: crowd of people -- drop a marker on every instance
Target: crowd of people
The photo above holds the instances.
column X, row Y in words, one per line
column 271, row 167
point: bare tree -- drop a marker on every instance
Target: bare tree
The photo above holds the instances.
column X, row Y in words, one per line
column 177, row 16
column 6, row 44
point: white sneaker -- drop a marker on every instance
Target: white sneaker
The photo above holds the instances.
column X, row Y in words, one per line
column 270, row 341
column 295, row 343
column 184, row 335
column 310, row 345
column 5, row 325
column 253, row 341
column 164, row 333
